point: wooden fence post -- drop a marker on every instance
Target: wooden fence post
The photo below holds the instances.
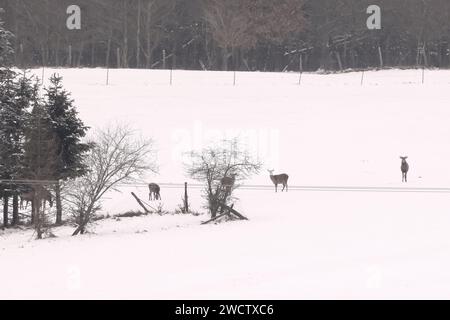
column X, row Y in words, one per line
column 300, row 69
column 186, row 202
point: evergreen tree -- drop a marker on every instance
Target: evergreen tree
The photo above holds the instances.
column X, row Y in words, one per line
column 6, row 96
column 41, row 161
column 15, row 96
column 69, row 130
column 6, row 50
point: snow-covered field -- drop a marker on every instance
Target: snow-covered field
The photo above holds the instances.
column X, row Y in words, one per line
column 330, row 131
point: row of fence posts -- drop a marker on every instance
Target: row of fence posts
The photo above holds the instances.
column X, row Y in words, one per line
column 421, row 54
column 235, row 78
column 107, row 81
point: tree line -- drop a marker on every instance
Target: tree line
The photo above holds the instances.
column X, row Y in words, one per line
column 248, row 35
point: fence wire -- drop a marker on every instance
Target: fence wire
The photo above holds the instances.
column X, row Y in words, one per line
column 383, row 189
column 259, row 187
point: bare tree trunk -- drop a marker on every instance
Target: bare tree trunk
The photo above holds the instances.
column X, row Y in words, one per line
column 5, row 211
column 125, row 35
column 58, row 203
column 80, row 55
column 15, row 217
column 148, row 37
column 84, row 220
column 138, row 36
column 57, row 61
column 338, row 58
column 69, row 59
column 32, row 211
column 225, row 57
column 93, row 54
column 380, row 55
column 37, row 215
column 108, row 50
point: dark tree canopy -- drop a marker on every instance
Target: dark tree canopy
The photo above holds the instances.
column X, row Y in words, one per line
column 235, row 34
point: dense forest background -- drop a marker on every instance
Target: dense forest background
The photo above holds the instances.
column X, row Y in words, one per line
column 262, row 35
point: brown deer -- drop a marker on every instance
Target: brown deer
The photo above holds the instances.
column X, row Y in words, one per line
column 228, row 182
column 405, row 168
column 279, row 179
column 28, row 197
column 154, row 190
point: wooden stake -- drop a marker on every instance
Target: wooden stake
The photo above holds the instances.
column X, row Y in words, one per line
column 186, row 203
column 140, row 203
column 215, row 218
column 230, row 209
column 300, row 69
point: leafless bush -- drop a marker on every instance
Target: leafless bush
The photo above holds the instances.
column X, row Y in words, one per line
column 117, row 157
column 212, row 164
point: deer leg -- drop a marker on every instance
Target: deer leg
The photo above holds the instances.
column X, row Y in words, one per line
column 276, row 187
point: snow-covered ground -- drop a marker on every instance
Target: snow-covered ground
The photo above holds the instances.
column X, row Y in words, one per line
column 329, row 131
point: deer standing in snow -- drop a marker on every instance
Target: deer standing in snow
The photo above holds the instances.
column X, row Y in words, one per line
column 154, row 190
column 405, row 168
column 28, row 197
column 279, row 179
column 228, row 182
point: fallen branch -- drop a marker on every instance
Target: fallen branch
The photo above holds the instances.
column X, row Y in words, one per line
column 230, row 209
column 215, row 218
column 140, row 203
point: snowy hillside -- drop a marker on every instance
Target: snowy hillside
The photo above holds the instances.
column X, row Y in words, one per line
column 329, row 131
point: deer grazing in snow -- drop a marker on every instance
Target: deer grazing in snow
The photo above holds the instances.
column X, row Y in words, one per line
column 279, row 179
column 28, row 197
column 228, row 182
column 154, row 190
column 405, row 168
